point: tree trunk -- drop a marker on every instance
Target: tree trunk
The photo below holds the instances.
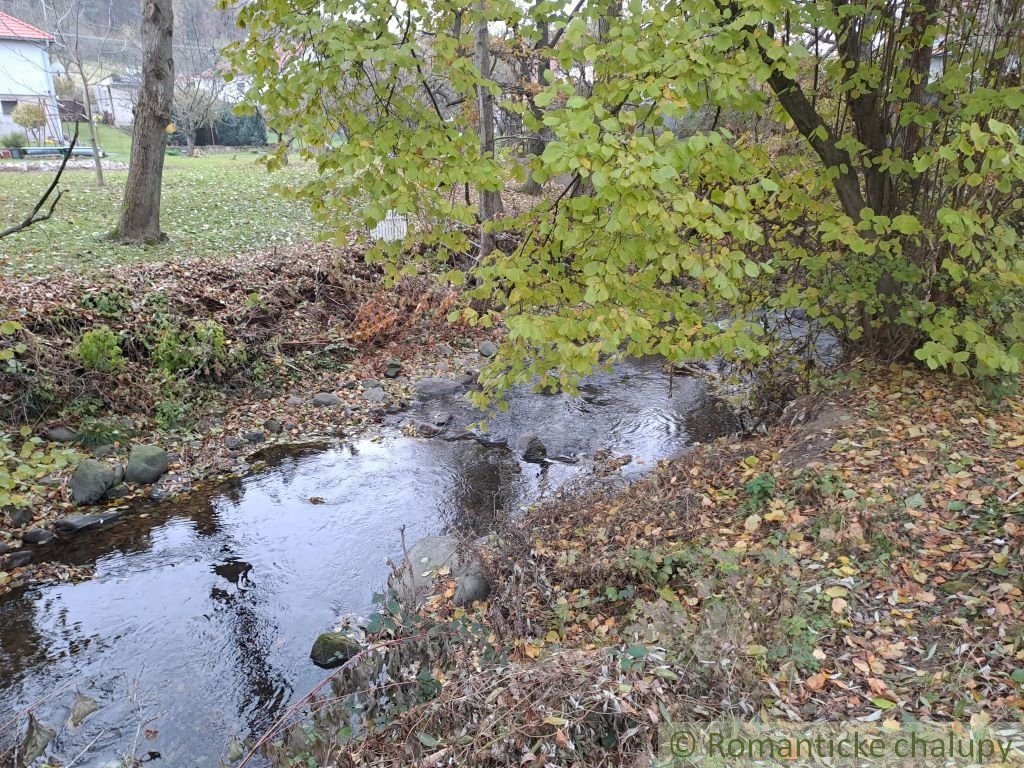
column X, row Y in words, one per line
column 535, row 146
column 140, row 212
column 490, row 201
column 190, row 144
column 96, row 161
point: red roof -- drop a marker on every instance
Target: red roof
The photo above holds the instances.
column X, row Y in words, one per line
column 14, row 29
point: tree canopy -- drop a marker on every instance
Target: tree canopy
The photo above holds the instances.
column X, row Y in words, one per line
column 717, row 163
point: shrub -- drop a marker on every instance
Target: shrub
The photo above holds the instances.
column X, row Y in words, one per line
column 109, row 302
column 99, row 350
column 170, row 414
column 21, row 466
column 14, row 140
column 29, row 116
column 202, row 349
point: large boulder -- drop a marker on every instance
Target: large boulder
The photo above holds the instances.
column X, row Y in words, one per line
column 332, row 649
column 488, row 348
column 146, row 464
column 437, row 386
column 91, row 480
column 438, row 557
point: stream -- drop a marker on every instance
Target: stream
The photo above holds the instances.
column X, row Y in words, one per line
column 198, row 624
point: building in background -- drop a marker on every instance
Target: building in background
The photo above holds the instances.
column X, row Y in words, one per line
column 26, row 76
column 114, row 99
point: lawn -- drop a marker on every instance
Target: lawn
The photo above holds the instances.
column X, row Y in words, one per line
column 214, row 206
column 113, row 141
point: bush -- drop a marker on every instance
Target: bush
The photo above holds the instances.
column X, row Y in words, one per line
column 29, row 116
column 99, row 350
column 14, row 140
column 202, row 349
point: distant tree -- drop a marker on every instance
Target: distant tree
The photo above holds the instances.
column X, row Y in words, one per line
column 31, row 117
column 198, row 83
column 140, row 209
column 84, row 38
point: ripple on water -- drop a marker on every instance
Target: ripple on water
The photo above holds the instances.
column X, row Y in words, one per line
column 208, row 605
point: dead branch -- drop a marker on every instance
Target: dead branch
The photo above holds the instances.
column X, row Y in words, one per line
column 35, row 217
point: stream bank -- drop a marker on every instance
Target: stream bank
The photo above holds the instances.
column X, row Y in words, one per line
column 202, row 610
column 859, row 563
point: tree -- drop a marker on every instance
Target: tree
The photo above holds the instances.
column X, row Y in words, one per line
column 83, row 34
column 199, row 81
column 31, row 117
column 861, row 168
column 140, row 209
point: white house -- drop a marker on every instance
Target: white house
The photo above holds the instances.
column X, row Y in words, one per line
column 25, row 76
column 114, row 99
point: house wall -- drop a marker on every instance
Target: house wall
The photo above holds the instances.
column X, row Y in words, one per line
column 25, row 75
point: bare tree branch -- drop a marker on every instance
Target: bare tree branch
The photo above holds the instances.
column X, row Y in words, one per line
column 35, row 217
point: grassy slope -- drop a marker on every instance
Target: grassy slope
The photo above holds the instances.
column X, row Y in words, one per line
column 113, row 141
column 214, row 206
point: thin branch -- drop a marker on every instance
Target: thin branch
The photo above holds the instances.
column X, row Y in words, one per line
column 35, row 217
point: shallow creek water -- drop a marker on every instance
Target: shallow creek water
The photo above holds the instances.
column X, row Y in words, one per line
column 199, row 621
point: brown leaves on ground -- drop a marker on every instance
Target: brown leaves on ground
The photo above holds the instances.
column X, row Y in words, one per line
column 880, row 574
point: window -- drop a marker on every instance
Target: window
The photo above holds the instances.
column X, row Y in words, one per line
column 7, row 107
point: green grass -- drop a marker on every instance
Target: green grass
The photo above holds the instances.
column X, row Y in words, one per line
column 113, row 141
column 212, row 207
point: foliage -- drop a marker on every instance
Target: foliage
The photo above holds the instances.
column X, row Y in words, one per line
column 23, row 465
column 100, row 350
column 201, row 348
column 233, row 130
column 14, row 140
column 29, row 116
column 108, row 302
column 870, row 185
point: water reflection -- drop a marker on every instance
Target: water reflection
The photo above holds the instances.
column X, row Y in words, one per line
column 209, row 604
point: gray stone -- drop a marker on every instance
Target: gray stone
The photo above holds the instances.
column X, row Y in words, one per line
column 91, row 480
column 437, row 386
column 531, row 448
column 16, row 559
column 395, row 407
column 74, row 523
column 325, row 399
column 415, row 578
column 104, row 451
column 126, row 423
column 61, row 434
column 18, row 516
column 350, row 384
column 370, row 384
column 375, row 395
column 440, row 418
column 470, row 588
column 233, row 443
column 254, row 436
column 5, row 547
column 487, row 348
column 424, row 429
column 332, row 649
column 37, row 536
column 273, row 426
column 293, row 400
column 394, row 368
column 146, row 463
column 444, row 350
column 291, row 426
